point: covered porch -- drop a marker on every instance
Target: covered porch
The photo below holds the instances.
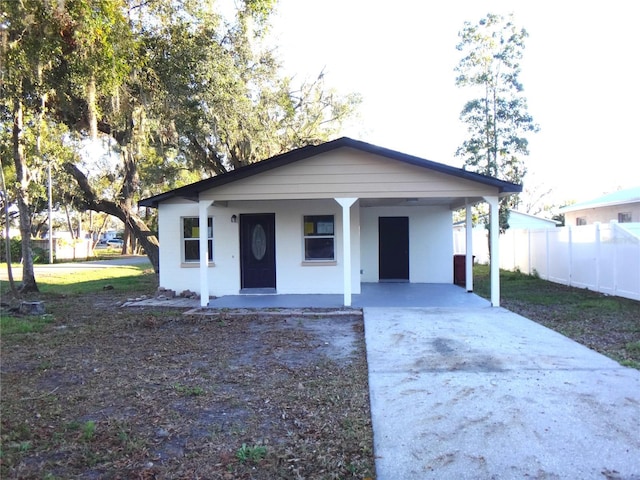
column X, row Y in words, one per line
column 320, row 222
column 389, row 295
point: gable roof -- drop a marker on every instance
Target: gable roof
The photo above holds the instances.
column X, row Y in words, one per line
column 621, row 197
column 193, row 190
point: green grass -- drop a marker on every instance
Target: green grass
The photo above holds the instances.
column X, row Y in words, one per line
column 517, row 286
column 125, row 278
column 52, row 280
column 30, row 324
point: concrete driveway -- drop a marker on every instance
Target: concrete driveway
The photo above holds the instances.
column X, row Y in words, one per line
column 483, row 393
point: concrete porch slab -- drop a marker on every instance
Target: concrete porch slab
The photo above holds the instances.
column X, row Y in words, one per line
column 372, row 295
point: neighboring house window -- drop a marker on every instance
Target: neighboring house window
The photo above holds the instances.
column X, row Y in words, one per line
column 191, row 239
column 319, row 237
column 581, row 221
column 624, row 217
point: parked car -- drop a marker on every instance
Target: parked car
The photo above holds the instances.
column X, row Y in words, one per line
column 102, row 244
column 115, row 242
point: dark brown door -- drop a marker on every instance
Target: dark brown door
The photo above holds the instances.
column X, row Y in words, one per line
column 393, row 254
column 258, row 250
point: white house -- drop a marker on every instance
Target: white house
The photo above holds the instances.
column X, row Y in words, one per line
column 319, row 219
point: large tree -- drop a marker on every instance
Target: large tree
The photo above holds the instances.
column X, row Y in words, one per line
column 27, row 50
column 181, row 92
column 497, row 116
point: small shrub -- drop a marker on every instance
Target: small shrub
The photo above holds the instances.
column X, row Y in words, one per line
column 16, row 250
column 251, row 454
column 633, row 347
column 89, row 430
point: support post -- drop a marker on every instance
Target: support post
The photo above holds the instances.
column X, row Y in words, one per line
column 469, row 249
column 203, row 222
column 346, row 204
column 494, row 233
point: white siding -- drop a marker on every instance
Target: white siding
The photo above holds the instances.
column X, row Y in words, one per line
column 224, row 277
column 430, row 243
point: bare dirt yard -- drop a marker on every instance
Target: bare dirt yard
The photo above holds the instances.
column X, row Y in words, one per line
column 101, row 391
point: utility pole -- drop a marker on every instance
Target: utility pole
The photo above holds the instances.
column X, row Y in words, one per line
column 50, row 210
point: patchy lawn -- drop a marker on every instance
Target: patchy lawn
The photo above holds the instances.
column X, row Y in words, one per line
column 99, row 391
column 609, row 325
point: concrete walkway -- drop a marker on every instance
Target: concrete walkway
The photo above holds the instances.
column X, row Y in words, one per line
column 479, row 393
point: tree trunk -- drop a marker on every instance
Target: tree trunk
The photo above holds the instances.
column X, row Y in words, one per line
column 7, row 238
column 22, row 180
column 147, row 240
column 92, row 110
column 69, row 225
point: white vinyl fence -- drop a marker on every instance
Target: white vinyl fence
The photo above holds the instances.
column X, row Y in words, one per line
column 600, row 257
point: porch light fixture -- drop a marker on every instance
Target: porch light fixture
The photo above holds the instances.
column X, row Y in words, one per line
column 234, row 219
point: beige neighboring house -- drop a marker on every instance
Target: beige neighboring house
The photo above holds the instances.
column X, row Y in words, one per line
column 622, row 206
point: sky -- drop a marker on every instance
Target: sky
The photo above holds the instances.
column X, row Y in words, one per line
column 580, row 75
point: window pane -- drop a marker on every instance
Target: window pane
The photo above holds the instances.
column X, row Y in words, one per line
column 190, row 227
column 191, row 250
column 318, row 248
column 318, row 225
column 191, row 238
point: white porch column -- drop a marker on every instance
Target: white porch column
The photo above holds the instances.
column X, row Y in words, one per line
column 203, row 222
column 346, row 203
column 494, row 232
column 469, row 249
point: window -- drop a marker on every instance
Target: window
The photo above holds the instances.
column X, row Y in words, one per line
column 581, row 221
column 319, row 237
column 191, row 239
column 624, row 217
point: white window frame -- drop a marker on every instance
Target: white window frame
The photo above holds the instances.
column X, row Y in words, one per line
column 196, row 240
column 307, row 235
